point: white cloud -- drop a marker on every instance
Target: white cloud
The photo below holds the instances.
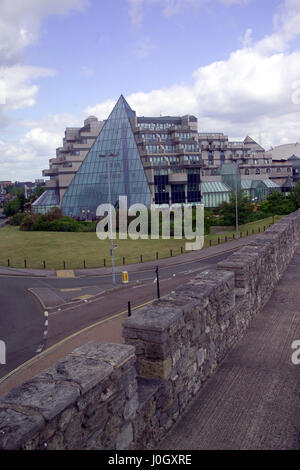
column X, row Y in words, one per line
column 19, row 92
column 287, row 28
column 20, row 23
column 27, row 157
column 249, row 93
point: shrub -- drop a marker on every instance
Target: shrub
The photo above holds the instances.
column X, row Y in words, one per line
column 17, row 219
column 28, row 221
column 54, row 214
column 65, row 224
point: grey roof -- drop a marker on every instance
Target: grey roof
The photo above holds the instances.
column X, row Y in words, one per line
column 246, row 184
column 48, row 198
column 215, row 187
column 270, row 184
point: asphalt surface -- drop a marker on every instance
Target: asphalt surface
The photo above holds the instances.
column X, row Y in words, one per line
column 27, row 330
column 252, row 402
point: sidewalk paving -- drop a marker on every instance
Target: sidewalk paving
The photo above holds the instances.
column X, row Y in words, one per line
column 252, row 401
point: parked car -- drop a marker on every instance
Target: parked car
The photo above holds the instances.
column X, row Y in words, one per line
column 2, row 216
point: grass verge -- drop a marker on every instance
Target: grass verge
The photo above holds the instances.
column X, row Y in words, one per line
column 75, row 248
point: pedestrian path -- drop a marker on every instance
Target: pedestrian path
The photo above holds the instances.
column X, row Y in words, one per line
column 252, row 401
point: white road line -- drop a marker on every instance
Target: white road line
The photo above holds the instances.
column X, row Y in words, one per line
column 46, row 314
column 46, row 323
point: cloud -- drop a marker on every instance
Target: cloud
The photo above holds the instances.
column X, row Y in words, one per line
column 16, row 80
column 20, row 23
column 26, row 158
column 19, row 27
column 249, row 93
column 287, row 28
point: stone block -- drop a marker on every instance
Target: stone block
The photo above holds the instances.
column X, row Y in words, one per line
column 125, row 438
column 155, row 369
column 17, row 427
column 84, row 371
column 47, row 398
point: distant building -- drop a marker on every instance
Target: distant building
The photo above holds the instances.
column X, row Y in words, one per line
column 4, row 185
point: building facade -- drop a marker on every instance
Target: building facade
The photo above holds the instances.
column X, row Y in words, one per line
column 158, row 160
column 77, row 142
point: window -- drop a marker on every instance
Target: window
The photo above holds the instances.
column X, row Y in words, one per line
column 257, row 171
column 278, row 170
column 247, row 172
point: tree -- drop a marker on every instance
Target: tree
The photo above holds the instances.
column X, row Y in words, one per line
column 245, row 210
column 16, row 205
column 12, row 207
column 278, row 204
column 295, row 195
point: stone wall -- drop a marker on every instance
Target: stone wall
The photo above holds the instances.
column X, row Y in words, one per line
column 85, row 401
column 105, row 396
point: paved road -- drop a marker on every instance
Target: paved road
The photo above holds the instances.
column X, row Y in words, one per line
column 252, row 402
column 27, row 331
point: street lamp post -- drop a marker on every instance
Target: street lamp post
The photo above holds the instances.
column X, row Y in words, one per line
column 107, row 156
column 236, row 204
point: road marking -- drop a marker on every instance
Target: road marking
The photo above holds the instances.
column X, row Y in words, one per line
column 46, row 314
column 46, row 323
column 71, row 290
column 85, row 297
column 66, row 273
column 56, row 345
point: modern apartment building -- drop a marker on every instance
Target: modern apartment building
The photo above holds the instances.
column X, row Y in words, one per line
column 76, row 144
column 158, row 160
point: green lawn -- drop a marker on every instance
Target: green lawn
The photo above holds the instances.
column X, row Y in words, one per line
column 56, row 247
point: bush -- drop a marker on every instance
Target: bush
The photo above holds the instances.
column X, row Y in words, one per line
column 17, row 219
column 65, row 224
column 54, row 214
column 28, row 221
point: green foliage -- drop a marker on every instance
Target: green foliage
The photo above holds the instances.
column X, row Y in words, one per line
column 15, row 205
column 278, row 204
column 54, row 221
column 17, row 218
column 36, row 193
column 228, row 213
column 12, row 207
column 295, row 195
column 28, row 222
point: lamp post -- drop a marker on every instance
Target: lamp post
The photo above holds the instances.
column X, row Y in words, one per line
column 107, row 156
column 236, row 204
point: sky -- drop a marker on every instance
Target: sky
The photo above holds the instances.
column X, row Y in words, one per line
column 235, row 64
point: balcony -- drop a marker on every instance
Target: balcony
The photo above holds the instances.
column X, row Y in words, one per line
column 179, row 178
column 50, row 172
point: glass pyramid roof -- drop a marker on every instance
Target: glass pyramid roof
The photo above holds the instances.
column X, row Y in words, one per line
column 89, row 187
